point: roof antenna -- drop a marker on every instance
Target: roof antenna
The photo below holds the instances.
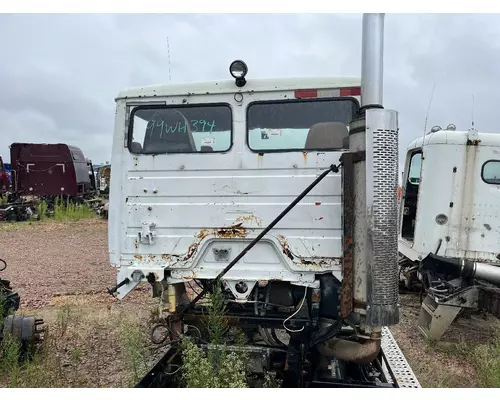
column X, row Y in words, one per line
column 169, row 68
column 428, row 110
column 472, row 110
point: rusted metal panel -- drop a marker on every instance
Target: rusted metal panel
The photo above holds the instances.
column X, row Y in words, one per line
column 348, row 185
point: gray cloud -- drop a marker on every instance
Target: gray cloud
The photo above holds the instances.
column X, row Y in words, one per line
column 60, row 73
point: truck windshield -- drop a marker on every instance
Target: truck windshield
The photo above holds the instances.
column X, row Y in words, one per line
column 183, row 129
column 300, row 125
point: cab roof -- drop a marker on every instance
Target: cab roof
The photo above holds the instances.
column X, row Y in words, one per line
column 459, row 138
column 229, row 86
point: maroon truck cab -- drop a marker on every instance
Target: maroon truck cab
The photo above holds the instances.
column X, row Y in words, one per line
column 50, row 170
column 4, row 178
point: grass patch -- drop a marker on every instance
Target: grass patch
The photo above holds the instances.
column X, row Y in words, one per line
column 12, row 226
column 65, row 210
column 102, row 345
column 93, row 347
column 41, row 210
column 135, row 351
column 486, row 358
column 61, row 210
column 3, row 200
column 2, row 308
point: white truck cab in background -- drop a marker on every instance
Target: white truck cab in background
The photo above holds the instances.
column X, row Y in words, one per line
column 449, row 233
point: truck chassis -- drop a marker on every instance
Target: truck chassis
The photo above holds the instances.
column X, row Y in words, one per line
column 391, row 365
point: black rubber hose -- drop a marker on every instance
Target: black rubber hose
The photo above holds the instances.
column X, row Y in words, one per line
column 327, row 334
column 439, row 246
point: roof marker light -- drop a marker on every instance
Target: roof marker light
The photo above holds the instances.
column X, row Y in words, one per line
column 352, row 91
column 315, row 93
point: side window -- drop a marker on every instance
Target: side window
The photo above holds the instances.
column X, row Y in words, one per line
column 490, row 172
column 415, row 167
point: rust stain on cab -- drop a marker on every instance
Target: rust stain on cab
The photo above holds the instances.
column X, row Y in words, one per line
column 315, row 262
column 236, row 230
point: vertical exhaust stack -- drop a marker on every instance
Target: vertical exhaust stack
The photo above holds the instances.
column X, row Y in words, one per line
column 372, row 61
column 375, row 135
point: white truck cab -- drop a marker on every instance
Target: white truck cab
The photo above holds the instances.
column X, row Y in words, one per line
column 451, row 202
column 284, row 193
column 449, row 225
column 202, row 166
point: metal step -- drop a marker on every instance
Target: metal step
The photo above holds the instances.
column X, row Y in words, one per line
column 403, row 374
column 424, row 331
column 435, row 318
column 428, row 308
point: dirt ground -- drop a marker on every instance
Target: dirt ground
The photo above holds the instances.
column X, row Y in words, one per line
column 54, row 265
column 440, row 365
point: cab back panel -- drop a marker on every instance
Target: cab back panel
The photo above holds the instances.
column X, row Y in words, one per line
column 189, row 203
column 202, row 201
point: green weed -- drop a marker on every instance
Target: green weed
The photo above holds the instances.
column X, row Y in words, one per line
column 135, row 349
column 217, row 368
column 65, row 210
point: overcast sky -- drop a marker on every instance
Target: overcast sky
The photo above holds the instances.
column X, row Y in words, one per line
column 59, row 74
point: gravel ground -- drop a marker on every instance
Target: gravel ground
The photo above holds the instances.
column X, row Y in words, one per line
column 46, row 260
column 55, row 264
column 63, row 267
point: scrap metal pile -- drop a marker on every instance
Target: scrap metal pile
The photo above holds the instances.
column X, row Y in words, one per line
column 28, row 330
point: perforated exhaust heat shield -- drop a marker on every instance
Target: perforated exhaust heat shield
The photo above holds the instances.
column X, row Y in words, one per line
column 382, row 286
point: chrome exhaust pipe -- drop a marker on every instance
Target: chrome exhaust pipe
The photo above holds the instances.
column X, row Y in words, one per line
column 372, row 60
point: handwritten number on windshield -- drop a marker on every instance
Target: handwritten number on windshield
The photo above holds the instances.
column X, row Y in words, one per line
column 197, row 125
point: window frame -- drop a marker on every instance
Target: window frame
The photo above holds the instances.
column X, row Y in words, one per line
column 130, row 129
column 492, row 160
column 286, row 101
column 413, row 154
